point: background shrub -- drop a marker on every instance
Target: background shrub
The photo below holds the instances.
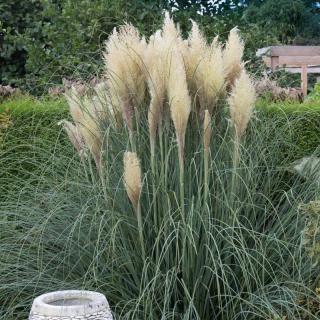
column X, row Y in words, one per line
column 42, row 41
column 286, row 20
column 63, row 38
column 304, row 123
column 17, row 20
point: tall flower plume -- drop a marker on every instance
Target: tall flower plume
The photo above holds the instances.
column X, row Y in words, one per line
column 176, row 82
column 194, row 54
column 125, row 70
column 178, row 95
column 74, row 136
column 85, row 115
column 204, row 66
column 232, row 56
column 101, row 102
column 156, row 75
column 241, row 102
column 132, row 177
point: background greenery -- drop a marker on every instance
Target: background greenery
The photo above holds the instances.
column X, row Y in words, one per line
column 42, row 41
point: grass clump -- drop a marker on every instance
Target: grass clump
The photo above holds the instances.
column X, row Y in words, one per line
column 186, row 212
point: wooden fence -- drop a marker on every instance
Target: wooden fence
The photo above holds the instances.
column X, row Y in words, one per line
column 294, row 59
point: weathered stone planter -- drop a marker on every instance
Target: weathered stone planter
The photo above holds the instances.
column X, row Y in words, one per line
column 71, row 305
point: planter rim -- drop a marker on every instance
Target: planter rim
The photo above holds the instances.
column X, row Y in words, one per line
column 97, row 302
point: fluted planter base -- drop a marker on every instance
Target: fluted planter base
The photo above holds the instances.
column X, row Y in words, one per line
column 71, row 305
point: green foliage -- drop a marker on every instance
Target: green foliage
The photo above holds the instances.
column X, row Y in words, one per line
column 315, row 93
column 26, row 105
column 42, row 41
column 32, row 129
column 71, row 33
column 16, row 19
column 284, row 19
column 55, row 39
column 304, row 122
column 209, row 8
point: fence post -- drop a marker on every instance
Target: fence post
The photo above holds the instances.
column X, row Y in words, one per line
column 304, row 79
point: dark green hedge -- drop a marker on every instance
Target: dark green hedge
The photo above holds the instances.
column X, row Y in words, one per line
column 34, row 136
column 36, row 120
column 302, row 123
column 31, row 119
column 29, row 135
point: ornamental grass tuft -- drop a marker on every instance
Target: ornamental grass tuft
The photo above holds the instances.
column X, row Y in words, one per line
column 179, row 206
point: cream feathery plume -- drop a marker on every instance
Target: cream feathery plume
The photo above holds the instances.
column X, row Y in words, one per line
column 175, row 77
column 74, row 136
column 197, row 46
column 159, row 65
column 170, row 32
column 85, row 116
column 125, row 70
column 232, row 56
column 74, row 102
column 177, row 91
column 132, row 182
column 180, row 107
column 241, row 102
column 210, row 77
column 90, row 130
column 179, row 99
column 100, row 101
column 170, row 40
column 204, row 66
column 155, row 65
column 132, row 177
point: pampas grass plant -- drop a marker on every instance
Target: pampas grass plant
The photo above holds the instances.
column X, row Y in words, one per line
column 241, row 103
column 132, row 181
column 125, row 72
column 86, row 116
column 232, row 56
column 190, row 214
column 205, row 69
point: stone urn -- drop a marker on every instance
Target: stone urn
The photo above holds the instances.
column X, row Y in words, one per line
column 71, row 305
